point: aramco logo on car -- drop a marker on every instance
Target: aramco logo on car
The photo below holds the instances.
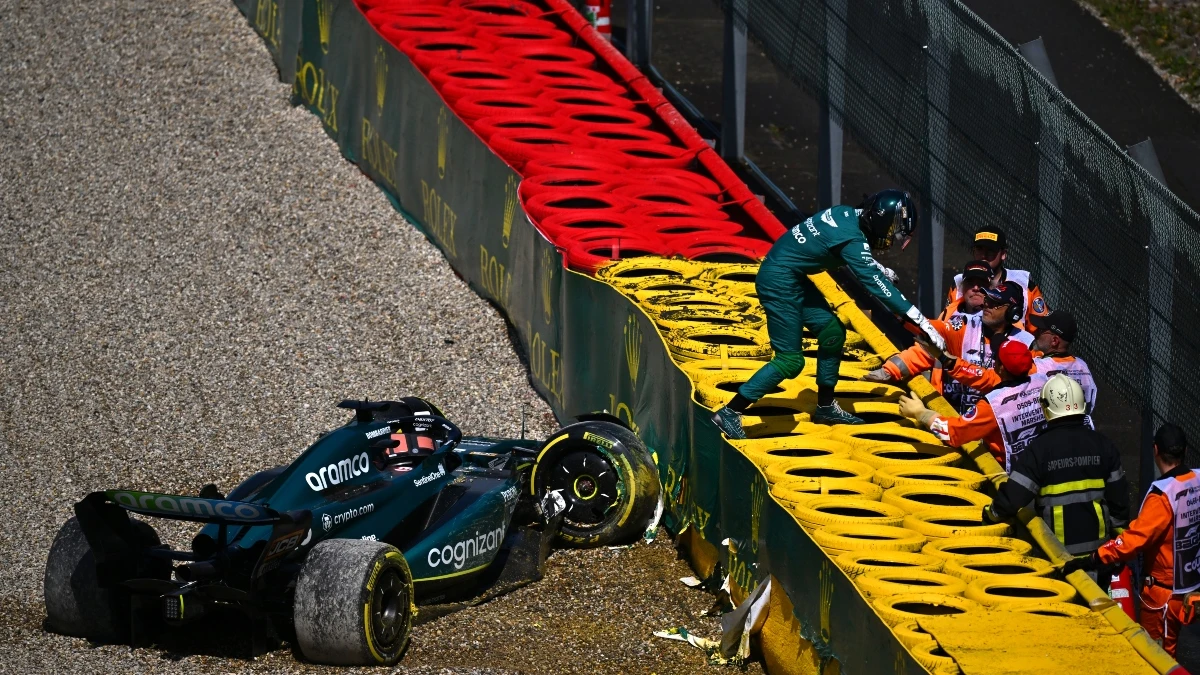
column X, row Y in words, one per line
column 336, row 474
column 462, row 552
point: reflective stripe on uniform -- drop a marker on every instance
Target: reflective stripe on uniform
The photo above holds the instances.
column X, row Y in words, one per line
column 905, row 373
column 1116, row 475
column 1073, row 486
column 1073, row 498
column 1100, row 518
column 1060, row 532
column 1024, row 481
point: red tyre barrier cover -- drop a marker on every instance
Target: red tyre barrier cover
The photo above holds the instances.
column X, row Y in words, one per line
column 721, row 173
column 655, row 195
column 550, row 54
column 611, row 119
column 501, row 11
column 401, row 13
column 668, row 211
column 456, row 89
column 595, row 248
column 430, row 52
column 674, row 227
column 568, row 224
column 541, row 32
column 567, row 77
column 557, row 180
column 603, row 137
column 586, row 159
column 498, row 104
column 486, row 126
column 706, row 246
column 486, row 75
column 518, row 146
column 653, row 155
column 570, row 200
column 398, row 31
column 687, row 180
column 595, row 101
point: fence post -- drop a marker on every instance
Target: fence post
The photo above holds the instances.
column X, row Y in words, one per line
column 932, row 238
column 830, row 138
column 733, row 83
column 1050, row 179
column 638, row 25
column 1160, row 276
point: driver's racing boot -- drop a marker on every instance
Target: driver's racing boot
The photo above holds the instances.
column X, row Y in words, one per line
column 833, row 414
column 729, row 421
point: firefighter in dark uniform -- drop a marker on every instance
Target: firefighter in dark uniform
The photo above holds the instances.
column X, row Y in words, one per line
column 1071, row 473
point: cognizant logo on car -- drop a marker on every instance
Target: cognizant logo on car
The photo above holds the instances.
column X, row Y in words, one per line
column 335, row 474
column 460, row 553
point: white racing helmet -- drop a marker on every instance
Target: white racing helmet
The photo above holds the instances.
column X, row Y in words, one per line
column 1062, row 396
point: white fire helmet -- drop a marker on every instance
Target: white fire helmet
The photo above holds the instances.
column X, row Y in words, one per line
column 1062, row 396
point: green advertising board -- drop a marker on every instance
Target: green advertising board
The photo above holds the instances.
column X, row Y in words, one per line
column 588, row 346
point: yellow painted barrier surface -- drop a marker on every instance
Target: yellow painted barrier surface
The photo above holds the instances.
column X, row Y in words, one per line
column 804, row 462
column 1013, row 643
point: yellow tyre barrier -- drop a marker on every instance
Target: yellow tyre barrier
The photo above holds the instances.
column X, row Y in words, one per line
column 867, row 435
column 861, row 562
column 972, row 546
column 848, row 538
column 1001, row 591
column 937, row 523
column 1063, row 609
column 865, row 359
column 633, row 270
column 708, row 341
column 908, row 454
column 999, row 565
column 804, row 490
column 715, row 316
column 730, row 273
column 716, row 388
column 916, row 498
column 824, row 511
column 931, row 655
column 761, row 428
column 658, row 301
column 897, row 582
column 890, row 475
column 808, row 445
column 696, row 370
column 817, row 467
column 910, row 634
column 905, row 607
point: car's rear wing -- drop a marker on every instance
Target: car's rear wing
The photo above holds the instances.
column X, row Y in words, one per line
column 200, row 509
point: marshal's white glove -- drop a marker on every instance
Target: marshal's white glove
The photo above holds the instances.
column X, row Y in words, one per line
column 918, row 318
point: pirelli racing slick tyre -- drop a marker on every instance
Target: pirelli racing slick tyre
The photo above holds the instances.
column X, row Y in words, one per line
column 606, row 476
column 76, row 605
column 354, row 604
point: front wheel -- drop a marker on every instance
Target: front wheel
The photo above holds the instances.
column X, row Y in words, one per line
column 607, row 478
column 354, row 604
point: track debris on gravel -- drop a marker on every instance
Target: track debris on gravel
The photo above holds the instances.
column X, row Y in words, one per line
column 191, row 277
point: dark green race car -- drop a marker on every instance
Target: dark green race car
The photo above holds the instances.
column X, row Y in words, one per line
column 336, row 551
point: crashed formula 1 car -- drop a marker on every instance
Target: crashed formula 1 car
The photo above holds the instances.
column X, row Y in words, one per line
column 336, row 550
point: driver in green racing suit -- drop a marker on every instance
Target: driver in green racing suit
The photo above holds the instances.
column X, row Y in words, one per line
column 828, row 240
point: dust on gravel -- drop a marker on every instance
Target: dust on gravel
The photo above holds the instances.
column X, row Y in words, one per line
column 190, row 277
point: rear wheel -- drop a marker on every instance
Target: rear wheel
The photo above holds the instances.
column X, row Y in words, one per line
column 354, row 604
column 607, row 478
column 76, row 605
